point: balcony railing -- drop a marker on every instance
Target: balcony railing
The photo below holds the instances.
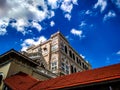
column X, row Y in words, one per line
column 46, row 72
column 34, row 57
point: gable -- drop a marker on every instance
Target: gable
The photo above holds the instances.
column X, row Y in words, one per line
column 14, row 55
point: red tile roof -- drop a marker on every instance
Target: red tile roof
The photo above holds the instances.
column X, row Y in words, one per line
column 20, row 81
column 81, row 78
column 23, row 81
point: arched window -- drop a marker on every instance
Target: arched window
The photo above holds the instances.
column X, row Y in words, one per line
column 79, row 62
column 70, row 53
column 83, row 65
column 72, row 71
column 73, row 56
column 1, row 77
column 66, row 49
column 75, row 70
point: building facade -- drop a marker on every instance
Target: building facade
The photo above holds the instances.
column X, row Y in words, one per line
column 60, row 57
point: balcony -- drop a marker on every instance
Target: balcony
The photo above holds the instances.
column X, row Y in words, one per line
column 35, row 55
column 46, row 72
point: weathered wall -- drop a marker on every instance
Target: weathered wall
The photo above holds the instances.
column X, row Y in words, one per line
column 4, row 70
column 19, row 66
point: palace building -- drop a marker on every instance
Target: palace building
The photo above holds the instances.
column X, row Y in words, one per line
column 60, row 57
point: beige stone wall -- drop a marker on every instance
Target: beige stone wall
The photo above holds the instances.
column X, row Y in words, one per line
column 74, row 62
column 45, row 57
column 18, row 66
column 46, row 51
column 4, row 69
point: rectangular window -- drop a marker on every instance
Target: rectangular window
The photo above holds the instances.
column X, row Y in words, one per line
column 65, row 67
column 67, row 71
column 62, row 46
column 54, row 47
column 54, row 65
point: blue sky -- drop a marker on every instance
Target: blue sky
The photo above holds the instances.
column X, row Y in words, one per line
column 91, row 27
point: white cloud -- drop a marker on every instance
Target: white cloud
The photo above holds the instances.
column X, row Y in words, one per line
column 76, row 32
column 118, row 53
column 101, row 4
column 27, row 10
column 68, row 16
column 24, row 48
column 67, row 6
column 29, row 42
column 36, row 25
column 3, row 25
column 82, row 56
column 75, row 2
column 20, row 25
column 52, row 14
column 110, row 14
column 2, row 31
column 33, row 10
column 88, row 12
column 82, row 24
column 52, row 23
column 22, row 12
column 53, row 3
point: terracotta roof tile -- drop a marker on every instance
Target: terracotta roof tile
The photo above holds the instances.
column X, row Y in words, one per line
column 23, row 81
column 81, row 78
column 20, row 81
